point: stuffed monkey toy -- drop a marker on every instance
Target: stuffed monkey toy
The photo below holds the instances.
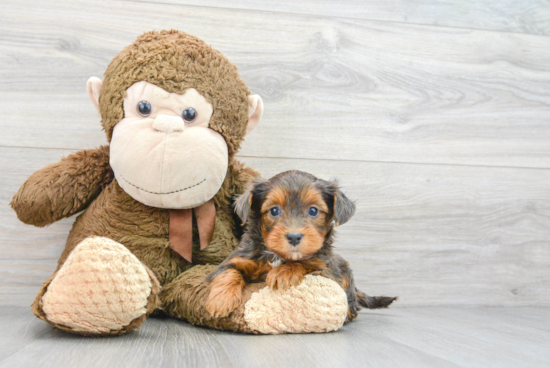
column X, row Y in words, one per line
column 157, row 201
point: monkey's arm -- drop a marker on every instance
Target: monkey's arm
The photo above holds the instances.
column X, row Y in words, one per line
column 64, row 188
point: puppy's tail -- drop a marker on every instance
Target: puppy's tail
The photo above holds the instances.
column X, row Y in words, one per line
column 373, row 302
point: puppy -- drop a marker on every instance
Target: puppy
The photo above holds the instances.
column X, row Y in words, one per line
column 289, row 230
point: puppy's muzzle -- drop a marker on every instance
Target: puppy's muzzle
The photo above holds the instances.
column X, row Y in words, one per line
column 294, row 239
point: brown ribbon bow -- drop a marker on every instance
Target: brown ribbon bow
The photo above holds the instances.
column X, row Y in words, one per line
column 181, row 228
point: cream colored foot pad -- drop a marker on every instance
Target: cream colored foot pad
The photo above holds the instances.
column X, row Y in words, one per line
column 316, row 305
column 101, row 287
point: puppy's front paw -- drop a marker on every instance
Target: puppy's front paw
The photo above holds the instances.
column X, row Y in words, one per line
column 225, row 294
column 285, row 276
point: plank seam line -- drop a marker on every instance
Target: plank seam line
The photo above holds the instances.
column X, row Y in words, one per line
column 395, row 162
column 71, row 150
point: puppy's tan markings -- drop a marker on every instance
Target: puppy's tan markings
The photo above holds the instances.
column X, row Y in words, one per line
column 225, row 294
column 344, row 282
column 276, row 197
column 312, row 241
column 276, row 242
column 286, row 276
column 315, row 264
column 312, row 197
column 251, row 270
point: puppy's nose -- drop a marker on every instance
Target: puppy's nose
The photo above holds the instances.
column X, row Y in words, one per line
column 168, row 123
column 294, row 239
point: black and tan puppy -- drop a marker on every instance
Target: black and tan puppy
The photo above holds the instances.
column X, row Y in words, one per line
column 289, row 229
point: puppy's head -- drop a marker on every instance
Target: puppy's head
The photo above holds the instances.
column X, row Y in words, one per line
column 293, row 211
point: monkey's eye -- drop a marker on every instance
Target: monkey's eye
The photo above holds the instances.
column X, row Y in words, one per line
column 189, row 114
column 275, row 211
column 144, row 108
column 313, row 211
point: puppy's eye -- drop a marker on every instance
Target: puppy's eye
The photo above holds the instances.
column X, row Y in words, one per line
column 189, row 114
column 275, row 211
column 312, row 211
column 144, row 108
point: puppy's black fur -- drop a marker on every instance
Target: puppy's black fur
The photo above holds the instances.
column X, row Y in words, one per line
column 289, row 233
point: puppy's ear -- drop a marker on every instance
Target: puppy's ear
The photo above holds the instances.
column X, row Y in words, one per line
column 344, row 208
column 244, row 202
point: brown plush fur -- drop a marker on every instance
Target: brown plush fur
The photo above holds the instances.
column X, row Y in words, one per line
column 174, row 61
column 64, row 188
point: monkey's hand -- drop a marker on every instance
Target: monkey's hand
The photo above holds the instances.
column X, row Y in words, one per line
column 64, row 188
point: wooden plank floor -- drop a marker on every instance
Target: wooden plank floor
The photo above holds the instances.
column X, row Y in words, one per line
column 413, row 337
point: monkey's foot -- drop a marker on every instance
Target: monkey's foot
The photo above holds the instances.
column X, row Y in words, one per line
column 102, row 288
column 317, row 304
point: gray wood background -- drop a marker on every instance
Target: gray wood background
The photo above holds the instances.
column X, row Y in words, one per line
column 434, row 115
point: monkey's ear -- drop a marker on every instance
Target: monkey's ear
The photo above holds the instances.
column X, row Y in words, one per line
column 94, row 86
column 344, row 208
column 255, row 112
column 243, row 203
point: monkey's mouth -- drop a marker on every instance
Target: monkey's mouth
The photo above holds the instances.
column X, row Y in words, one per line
column 171, row 192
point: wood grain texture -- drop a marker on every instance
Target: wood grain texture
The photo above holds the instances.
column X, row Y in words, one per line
column 414, row 337
column 334, row 88
column 441, row 134
column 432, row 234
column 520, row 16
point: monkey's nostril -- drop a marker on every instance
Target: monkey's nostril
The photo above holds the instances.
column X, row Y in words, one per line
column 294, row 239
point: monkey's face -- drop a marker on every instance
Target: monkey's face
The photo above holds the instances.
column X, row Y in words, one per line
column 174, row 111
column 163, row 152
